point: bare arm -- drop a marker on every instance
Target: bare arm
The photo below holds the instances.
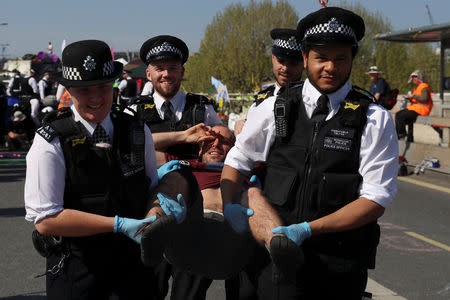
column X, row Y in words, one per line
column 230, row 184
column 264, row 219
column 75, row 223
column 355, row 214
column 194, row 135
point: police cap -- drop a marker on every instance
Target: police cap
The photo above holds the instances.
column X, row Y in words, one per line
column 164, row 47
column 331, row 26
column 87, row 63
column 285, row 44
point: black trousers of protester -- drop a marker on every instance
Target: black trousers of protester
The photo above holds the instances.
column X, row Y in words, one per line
column 402, row 118
column 101, row 273
column 189, row 286
column 322, row 277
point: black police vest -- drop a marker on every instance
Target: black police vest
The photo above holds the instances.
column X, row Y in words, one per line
column 26, row 89
column 193, row 114
column 130, row 90
column 15, row 88
column 105, row 181
column 313, row 171
column 48, row 90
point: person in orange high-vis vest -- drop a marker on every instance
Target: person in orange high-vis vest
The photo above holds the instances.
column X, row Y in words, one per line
column 65, row 100
column 421, row 104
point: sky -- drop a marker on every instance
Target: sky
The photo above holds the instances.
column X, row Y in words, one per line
column 125, row 25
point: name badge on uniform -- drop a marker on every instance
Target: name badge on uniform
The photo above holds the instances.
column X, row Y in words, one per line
column 339, row 139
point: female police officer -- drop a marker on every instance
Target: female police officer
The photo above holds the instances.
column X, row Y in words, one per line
column 88, row 164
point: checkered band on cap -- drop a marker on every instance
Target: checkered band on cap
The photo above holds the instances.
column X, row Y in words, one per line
column 290, row 44
column 71, row 73
column 108, row 68
column 164, row 47
column 332, row 26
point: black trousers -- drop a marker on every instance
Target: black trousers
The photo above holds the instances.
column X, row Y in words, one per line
column 402, row 118
column 322, row 277
column 101, row 273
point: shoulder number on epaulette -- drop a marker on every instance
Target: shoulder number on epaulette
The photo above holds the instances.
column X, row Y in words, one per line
column 47, row 132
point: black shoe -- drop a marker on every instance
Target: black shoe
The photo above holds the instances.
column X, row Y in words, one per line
column 287, row 259
column 155, row 238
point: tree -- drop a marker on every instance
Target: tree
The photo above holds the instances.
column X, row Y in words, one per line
column 236, row 47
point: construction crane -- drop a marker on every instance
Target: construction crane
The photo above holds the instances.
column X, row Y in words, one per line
column 429, row 14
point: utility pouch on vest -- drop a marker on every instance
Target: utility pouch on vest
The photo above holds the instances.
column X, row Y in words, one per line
column 46, row 245
column 337, row 190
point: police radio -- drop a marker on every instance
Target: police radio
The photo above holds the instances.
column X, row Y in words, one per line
column 281, row 125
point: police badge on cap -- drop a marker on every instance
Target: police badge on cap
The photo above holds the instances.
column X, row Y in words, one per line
column 164, row 47
column 331, row 25
column 87, row 63
column 285, row 44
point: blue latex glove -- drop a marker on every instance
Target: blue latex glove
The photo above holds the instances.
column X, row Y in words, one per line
column 254, row 180
column 168, row 167
column 129, row 227
column 237, row 216
column 296, row 232
column 173, row 208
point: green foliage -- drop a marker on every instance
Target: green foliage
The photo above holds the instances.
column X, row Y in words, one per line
column 236, row 47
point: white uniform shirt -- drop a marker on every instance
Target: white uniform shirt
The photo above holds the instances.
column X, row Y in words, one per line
column 178, row 102
column 60, row 91
column 46, row 171
column 378, row 153
column 42, row 86
column 148, row 88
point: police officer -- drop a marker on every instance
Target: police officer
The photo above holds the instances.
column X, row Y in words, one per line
column 89, row 165
column 29, row 96
column 173, row 110
column 13, row 89
column 332, row 163
column 287, row 65
column 128, row 87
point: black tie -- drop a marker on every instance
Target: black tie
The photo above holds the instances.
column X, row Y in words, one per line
column 99, row 135
column 321, row 111
column 169, row 116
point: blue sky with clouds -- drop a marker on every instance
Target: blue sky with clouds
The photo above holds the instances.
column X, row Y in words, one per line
column 125, row 25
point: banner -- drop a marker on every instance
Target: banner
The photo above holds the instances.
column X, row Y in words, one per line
column 222, row 92
column 63, row 45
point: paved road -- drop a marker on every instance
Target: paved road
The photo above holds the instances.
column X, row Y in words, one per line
column 407, row 265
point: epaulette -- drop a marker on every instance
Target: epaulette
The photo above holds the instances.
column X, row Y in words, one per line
column 200, row 99
column 355, row 108
column 142, row 99
column 264, row 94
column 47, row 132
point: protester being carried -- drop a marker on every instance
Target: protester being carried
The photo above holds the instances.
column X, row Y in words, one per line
column 208, row 248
